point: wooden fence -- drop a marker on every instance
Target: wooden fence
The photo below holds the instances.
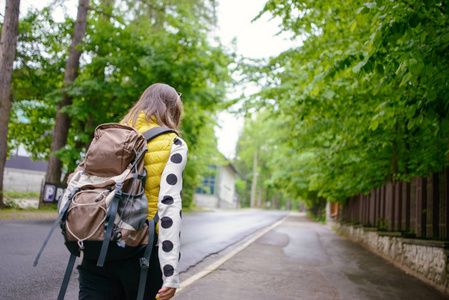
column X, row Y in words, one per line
column 417, row 208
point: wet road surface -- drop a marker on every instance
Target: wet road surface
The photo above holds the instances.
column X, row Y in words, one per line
column 203, row 234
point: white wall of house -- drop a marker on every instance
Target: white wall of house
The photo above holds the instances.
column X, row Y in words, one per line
column 205, row 201
column 226, row 187
column 22, row 174
column 224, row 191
column 20, row 180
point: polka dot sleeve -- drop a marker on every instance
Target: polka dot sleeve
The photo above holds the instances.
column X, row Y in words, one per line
column 170, row 214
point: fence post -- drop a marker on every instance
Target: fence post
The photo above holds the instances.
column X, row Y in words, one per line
column 381, row 214
column 433, row 194
column 389, row 206
column 365, row 199
column 372, row 208
column 361, row 205
column 412, row 225
column 369, row 209
column 397, row 206
column 359, row 209
column 444, row 213
column 377, row 207
column 345, row 211
column 421, row 206
column 351, row 209
column 405, row 206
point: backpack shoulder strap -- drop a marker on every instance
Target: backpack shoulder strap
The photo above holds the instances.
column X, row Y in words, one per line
column 156, row 131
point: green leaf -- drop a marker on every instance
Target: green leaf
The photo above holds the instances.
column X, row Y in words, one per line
column 382, row 105
column 411, row 112
column 410, row 124
column 374, row 124
column 406, row 79
column 423, row 37
column 358, row 66
column 370, row 5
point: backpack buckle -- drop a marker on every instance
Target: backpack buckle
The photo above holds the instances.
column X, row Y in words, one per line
column 144, row 263
column 118, row 189
column 74, row 191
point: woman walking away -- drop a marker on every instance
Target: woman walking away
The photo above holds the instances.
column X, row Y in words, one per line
column 159, row 105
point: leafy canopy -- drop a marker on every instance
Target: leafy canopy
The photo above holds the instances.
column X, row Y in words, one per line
column 364, row 99
column 124, row 51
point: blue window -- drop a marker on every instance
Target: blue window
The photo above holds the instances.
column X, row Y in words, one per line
column 207, row 186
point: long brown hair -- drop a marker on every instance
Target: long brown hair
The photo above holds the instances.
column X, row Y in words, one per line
column 161, row 104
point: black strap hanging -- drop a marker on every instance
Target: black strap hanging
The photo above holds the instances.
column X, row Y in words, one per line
column 145, row 260
column 109, row 224
column 67, row 275
column 60, row 216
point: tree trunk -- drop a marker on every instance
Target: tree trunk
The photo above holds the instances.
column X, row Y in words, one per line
column 88, row 125
column 259, row 197
column 254, row 185
column 275, row 201
column 62, row 120
column 8, row 44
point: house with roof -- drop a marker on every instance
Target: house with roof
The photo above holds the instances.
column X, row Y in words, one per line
column 217, row 190
column 23, row 174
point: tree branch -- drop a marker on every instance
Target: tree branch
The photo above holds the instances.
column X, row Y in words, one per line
column 441, row 9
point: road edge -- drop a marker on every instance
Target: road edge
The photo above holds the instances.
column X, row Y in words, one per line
column 215, row 265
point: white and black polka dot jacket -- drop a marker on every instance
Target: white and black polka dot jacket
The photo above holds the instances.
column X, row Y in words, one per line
column 170, row 214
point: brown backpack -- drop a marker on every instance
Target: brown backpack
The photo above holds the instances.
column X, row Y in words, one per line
column 103, row 212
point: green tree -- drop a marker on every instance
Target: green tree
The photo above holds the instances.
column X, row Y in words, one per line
column 8, row 46
column 37, row 80
column 62, row 119
column 123, row 54
column 364, row 99
column 260, row 150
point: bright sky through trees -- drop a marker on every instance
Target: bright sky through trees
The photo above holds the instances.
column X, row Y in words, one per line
column 253, row 40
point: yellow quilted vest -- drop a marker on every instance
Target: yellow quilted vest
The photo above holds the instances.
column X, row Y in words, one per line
column 155, row 161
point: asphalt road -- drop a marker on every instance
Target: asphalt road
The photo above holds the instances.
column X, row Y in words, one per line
column 203, row 235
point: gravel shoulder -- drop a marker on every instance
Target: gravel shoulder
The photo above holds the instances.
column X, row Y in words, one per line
column 19, row 214
column 26, row 209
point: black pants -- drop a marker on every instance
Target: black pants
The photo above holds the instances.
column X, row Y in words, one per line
column 118, row 280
